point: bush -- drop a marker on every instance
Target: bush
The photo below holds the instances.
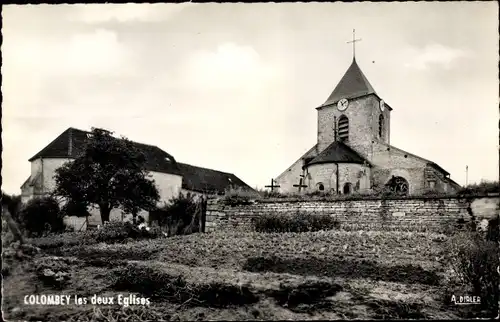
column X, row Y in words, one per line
column 318, row 193
column 238, row 196
column 180, row 217
column 475, row 262
column 297, row 223
column 118, row 231
column 65, row 239
column 483, row 187
column 270, row 194
column 41, row 216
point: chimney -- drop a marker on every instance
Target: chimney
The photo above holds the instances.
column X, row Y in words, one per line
column 70, row 142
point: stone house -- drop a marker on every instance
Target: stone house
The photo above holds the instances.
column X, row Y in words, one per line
column 170, row 176
column 353, row 151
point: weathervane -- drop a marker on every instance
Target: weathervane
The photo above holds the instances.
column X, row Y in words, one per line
column 354, row 40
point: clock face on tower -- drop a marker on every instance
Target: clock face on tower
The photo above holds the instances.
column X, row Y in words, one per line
column 382, row 105
column 342, row 104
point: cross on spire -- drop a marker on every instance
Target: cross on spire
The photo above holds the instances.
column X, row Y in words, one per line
column 354, row 40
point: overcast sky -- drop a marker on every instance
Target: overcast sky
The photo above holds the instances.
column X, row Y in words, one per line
column 233, row 87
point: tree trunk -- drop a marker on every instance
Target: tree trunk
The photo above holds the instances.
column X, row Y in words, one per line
column 105, row 211
column 12, row 225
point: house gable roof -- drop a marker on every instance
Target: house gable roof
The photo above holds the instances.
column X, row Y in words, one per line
column 71, row 142
column 338, row 152
column 353, row 84
column 209, row 181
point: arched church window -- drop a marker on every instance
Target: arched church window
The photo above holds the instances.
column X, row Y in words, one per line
column 398, row 185
column 347, row 188
column 343, row 128
column 380, row 125
column 321, row 187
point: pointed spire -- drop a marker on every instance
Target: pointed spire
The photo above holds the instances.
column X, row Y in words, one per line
column 353, row 84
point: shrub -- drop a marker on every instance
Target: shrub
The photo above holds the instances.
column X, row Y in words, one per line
column 437, row 194
column 271, row 194
column 238, row 196
column 41, row 216
column 180, row 217
column 475, row 262
column 318, row 193
column 297, row 223
column 483, row 187
column 118, row 231
column 65, row 239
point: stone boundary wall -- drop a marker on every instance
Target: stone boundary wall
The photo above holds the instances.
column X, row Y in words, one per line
column 435, row 214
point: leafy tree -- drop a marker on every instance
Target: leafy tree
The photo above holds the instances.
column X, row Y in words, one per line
column 75, row 208
column 109, row 173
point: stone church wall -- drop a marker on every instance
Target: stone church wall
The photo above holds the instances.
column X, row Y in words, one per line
column 390, row 161
column 291, row 176
column 394, row 162
column 414, row 176
column 355, row 174
column 417, row 214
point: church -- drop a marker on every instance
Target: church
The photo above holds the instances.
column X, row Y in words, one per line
column 353, row 153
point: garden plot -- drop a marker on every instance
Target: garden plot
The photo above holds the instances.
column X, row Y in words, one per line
column 245, row 276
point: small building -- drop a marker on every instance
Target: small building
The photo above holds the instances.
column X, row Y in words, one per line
column 353, row 151
column 170, row 176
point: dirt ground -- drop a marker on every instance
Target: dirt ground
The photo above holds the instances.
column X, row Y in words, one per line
column 224, row 276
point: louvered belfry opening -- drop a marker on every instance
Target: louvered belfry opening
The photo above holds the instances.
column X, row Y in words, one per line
column 343, row 128
column 380, row 125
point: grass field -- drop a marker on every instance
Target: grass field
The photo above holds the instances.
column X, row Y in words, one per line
column 242, row 276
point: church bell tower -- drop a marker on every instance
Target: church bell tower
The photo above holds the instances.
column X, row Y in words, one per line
column 361, row 116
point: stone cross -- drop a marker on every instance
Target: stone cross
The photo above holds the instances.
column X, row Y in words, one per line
column 272, row 186
column 354, row 40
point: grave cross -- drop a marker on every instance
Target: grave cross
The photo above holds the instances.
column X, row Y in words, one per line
column 272, row 186
column 300, row 185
